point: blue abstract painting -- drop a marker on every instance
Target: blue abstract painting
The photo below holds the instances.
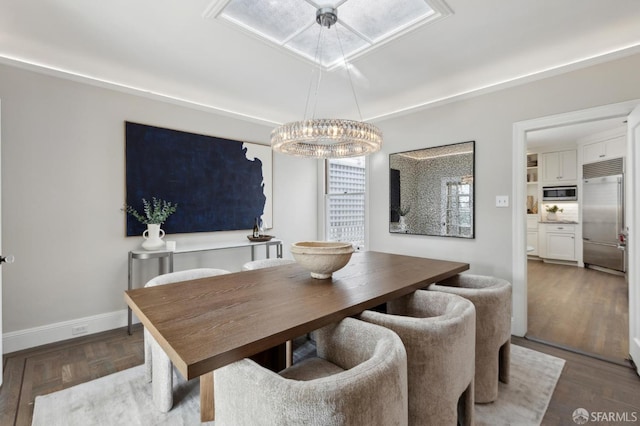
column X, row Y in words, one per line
column 218, row 184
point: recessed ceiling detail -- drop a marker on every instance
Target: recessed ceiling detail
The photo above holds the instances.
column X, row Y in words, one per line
column 363, row 25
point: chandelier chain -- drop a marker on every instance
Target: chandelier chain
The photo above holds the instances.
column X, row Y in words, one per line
column 348, row 68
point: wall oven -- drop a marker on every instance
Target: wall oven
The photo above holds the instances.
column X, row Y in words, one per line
column 560, row 193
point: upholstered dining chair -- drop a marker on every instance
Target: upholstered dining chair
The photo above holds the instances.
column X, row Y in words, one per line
column 158, row 366
column 358, row 378
column 438, row 331
column 492, row 299
column 266, row 263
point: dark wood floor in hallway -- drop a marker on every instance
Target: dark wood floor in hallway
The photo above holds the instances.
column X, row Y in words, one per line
column 580, row 308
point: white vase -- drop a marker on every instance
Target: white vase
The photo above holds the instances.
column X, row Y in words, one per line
column 551, row 216
column 153, row 237
column 403, row 223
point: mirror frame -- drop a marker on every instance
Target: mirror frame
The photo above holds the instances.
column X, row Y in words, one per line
column 397, row 224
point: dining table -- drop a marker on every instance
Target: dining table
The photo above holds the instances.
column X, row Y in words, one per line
column 207, row 323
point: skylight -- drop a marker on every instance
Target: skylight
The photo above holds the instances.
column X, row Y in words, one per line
column 363, row 24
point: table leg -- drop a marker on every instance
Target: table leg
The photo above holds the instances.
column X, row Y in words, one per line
column 207, row 402
column 289, row 353
column 129, row 287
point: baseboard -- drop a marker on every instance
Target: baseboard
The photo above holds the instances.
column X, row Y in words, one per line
column 50, row 333
column 560, row 262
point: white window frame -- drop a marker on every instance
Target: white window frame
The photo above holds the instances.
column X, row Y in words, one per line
column 323, row 203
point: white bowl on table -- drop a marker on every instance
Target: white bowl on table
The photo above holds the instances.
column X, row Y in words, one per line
column 322, row 258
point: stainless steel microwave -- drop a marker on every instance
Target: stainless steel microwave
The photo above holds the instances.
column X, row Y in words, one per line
column 560, row 193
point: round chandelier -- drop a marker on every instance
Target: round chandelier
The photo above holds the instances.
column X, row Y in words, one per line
column 327, row 137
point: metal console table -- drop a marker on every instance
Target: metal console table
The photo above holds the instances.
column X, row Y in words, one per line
column 165, row 258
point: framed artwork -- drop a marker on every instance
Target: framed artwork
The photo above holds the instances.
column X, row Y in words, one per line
column 218, row 184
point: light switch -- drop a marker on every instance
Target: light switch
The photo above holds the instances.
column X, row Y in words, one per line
column 502, row 201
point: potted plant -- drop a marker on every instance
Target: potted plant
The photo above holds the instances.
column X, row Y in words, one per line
column 154, row 214
column 402, row 212
column 552, row 212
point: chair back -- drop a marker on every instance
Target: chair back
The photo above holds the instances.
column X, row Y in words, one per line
column 266, row 263
column 189, row 274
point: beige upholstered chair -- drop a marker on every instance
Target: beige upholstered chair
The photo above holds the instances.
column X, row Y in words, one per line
column 159, row 368
column 492, row 299
column 266, row 263
column 438, row 331
column 359, row 378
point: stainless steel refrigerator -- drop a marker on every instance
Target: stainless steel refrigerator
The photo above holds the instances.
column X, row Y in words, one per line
column 603, row 214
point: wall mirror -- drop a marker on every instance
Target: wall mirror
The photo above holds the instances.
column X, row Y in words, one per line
column 431, row 191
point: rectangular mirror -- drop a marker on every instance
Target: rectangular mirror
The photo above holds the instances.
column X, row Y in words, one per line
column 431, row 191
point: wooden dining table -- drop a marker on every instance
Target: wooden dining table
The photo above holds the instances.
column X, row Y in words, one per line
column 207, row 323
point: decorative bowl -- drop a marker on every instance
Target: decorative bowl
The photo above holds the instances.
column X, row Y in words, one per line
column 322, row 258
column 259, row 239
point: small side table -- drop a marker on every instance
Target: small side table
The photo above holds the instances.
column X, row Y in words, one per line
column 165, row 258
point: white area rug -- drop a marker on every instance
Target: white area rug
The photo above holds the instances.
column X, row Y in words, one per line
column 525, row 399
column 124, row 398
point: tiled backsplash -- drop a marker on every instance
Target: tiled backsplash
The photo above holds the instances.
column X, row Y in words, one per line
column 570, row 211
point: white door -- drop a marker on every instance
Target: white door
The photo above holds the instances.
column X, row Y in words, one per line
column 1, row 352
column 632, row 211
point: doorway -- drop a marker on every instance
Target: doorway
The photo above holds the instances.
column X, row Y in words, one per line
column 519, row 277
column 584, row 310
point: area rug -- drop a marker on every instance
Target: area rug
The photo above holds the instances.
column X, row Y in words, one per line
column 525, row 399
column 124, row 398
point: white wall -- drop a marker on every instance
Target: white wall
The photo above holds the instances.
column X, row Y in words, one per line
column 63, row 185
column 487, row 119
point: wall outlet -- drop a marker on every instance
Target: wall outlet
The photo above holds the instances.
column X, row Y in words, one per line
column 79, row 329
column 502, row 201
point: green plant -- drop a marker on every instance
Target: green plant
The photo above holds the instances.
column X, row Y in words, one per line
column 157, row 211
column 554, row 209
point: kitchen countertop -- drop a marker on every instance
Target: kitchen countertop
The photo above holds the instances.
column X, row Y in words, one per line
column 559, row 221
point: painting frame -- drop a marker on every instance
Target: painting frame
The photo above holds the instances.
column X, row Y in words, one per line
column 219, row 184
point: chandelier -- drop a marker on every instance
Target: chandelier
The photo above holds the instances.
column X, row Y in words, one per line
column 327, row 137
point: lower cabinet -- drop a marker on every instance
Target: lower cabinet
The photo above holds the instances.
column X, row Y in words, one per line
column 532, row 242
column 559, row 241
column 532, row 234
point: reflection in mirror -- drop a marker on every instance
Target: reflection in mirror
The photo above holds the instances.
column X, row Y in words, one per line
column 431, row 191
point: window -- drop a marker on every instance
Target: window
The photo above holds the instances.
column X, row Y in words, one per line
column 457, row 205
column 345, row 200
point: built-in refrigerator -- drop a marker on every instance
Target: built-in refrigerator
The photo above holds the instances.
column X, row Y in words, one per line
column 603, row 214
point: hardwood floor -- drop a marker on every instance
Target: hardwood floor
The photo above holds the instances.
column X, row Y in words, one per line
column 585, row 382
column 50, row 368
column 589, row 383
column 580, row 308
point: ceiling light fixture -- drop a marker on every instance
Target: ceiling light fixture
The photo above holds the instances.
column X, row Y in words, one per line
column 327, row 137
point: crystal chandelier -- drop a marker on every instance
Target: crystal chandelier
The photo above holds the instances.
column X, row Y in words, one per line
column 327, row 137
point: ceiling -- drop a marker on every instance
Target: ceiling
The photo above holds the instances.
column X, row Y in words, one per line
column 570, row 134
column 172, row 49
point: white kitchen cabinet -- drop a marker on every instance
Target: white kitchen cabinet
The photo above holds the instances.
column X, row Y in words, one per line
column 559, row 166
column 532, row 242
column 604, row 150
column 532, row 234
column 560, row 242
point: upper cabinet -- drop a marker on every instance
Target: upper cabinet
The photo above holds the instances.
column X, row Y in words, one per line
column 559, row 166
column 604, row 150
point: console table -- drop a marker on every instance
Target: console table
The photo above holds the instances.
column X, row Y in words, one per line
column 165, row 258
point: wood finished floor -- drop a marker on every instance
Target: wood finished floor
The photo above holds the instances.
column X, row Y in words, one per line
column 580, row 308
column 585, row 382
